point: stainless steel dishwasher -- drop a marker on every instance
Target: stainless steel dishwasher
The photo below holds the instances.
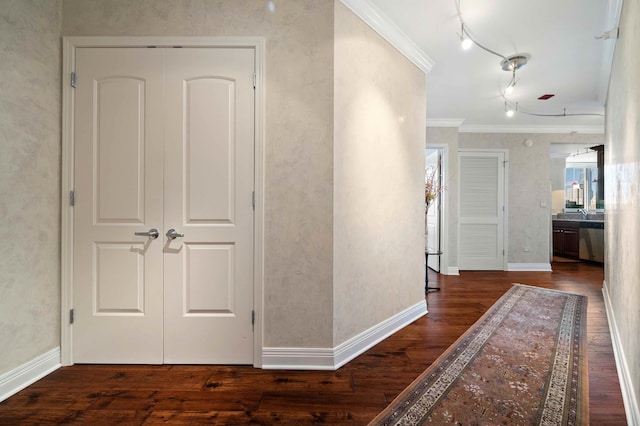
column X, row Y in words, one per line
column 592, row 241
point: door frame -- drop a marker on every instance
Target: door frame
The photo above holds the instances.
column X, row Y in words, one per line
column 505, row 218
column 69, row 46
column 444, row 206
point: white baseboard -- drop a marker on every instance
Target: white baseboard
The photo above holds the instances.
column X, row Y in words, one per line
column 631, row 407
column 21, row 377
column 534, row 267
column 334, row 358
column 453, row 270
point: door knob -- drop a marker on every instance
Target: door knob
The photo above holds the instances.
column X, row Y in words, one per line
column 172, row 234
column 152, row 233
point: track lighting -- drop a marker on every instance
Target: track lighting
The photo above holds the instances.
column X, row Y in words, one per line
column 466, row 43
column 512, row 64
column 612, row 33
column 464, row 40
column 512, row 84
column 509, row 89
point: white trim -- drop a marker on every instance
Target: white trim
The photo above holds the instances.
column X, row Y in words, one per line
column 505, row 243
column 353, row 347
column 258, row 217
column 28, row 373
column 67, row 184
column 297, row 359
column 453, row 270
column 68, row 65
column 445, row 122
column 334, row 358
column 631, row 407
column 444, row 204
column 387, row 29
column 535, row 267
column 126, row 41
column 489, row 128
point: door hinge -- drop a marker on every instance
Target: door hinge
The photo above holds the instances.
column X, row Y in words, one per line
column 254, row 80
column 72, row 198
column 253, row 317
column 503, row 252
column 253, row 199
column 73, row 79
column 71, row 316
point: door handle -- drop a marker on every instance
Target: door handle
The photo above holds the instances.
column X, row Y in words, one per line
column 172, row 234
column 152, row 233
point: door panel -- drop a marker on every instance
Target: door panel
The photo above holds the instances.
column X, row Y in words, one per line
column 119, row 280
column 208, row 198
column 120, row 108
column 117, row 288
column 209, row 279
column 481, row 211
column 209, row 109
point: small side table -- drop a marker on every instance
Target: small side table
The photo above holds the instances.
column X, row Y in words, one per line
column 428, row 253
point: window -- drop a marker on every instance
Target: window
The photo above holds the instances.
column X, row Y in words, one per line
column 581, row 188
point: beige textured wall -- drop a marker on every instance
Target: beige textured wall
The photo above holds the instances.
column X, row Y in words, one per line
column 380, row 120
column 29, row 180
column 622, row 190
column 449, row 137
column 299, row 137
column 529, row 184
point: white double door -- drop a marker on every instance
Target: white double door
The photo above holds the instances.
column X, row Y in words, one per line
column 164, row 139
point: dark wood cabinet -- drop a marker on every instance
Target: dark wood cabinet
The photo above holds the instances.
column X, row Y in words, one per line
column 566, row 239
column 600, row 196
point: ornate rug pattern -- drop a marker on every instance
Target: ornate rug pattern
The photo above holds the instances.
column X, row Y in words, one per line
column 522, row 363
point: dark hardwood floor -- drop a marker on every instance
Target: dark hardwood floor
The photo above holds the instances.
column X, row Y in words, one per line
column 134, row 395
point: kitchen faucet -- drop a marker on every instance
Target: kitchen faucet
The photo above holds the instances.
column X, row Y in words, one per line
column 584, row 212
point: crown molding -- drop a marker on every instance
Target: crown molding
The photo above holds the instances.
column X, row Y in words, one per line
column 481, row 128
column 381, row 24
column 445, row 122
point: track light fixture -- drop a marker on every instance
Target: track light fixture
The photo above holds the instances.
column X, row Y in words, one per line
column 464, row 40
column 509, row 110
column 512, row 84
column 512, row 63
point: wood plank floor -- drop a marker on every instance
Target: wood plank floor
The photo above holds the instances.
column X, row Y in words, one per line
column 135, row 395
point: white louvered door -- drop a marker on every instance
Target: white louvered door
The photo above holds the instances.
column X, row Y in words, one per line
column 481, row 211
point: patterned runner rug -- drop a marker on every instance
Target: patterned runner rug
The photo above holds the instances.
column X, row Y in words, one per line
column 522, row 363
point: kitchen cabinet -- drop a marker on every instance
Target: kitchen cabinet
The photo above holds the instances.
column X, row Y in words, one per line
column 566, row 239
column 600, row 161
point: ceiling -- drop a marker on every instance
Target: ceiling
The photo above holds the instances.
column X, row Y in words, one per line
column 467, row 87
